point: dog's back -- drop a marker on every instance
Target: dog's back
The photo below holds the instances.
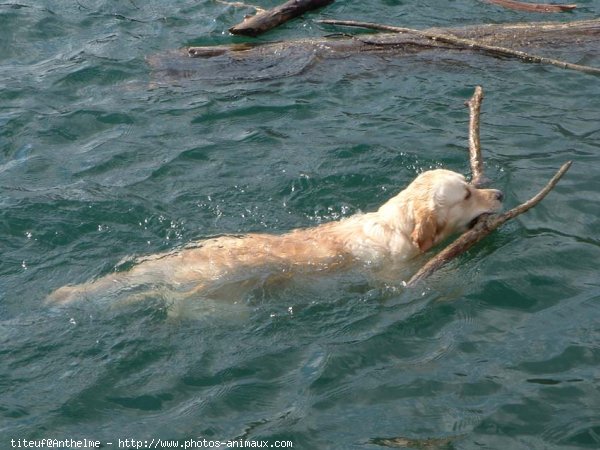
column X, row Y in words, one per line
column 205, row 266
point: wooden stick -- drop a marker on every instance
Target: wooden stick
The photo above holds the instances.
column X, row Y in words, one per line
column 531, row 7
column 484, row 226
column 468, row 44
column 475, row 159
column 486, row 223
column 266, row 20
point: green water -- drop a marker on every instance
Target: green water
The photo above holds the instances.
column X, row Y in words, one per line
column 101, row 160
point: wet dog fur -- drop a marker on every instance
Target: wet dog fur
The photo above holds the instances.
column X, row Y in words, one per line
column 435, row 205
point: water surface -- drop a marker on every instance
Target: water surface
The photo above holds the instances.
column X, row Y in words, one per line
column 100, row 162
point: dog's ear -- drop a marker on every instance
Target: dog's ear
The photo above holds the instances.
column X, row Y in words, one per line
column 425, row 229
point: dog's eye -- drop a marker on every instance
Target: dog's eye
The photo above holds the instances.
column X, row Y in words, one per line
column 468, row 194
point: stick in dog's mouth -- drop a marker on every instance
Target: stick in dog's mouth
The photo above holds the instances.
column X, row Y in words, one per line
column 476, row 219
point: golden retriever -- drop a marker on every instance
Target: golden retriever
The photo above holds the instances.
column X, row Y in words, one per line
column 435, row 205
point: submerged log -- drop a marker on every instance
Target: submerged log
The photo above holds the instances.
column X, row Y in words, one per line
column 265, row 20
column 570, row 40
column 514, row 35
column 469, row 44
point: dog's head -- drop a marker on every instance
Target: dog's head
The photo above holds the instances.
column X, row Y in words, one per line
column 439, row 203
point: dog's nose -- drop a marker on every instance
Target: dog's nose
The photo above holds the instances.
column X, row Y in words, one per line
column 499, row 196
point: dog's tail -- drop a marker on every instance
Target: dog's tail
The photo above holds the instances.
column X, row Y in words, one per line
column 107, row 285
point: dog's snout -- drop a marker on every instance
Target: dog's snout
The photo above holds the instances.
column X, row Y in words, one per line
column 499, row 195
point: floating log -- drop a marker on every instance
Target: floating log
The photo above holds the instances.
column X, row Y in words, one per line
column 265, row 20
column 285, row 58
column 469, row 44
column 532, row 7
column 514, row 35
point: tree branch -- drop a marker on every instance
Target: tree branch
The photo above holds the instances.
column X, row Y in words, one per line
column 468, row 44
column 265, row 20
column 484, row 226
column 486, row 223
column 475, row 159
